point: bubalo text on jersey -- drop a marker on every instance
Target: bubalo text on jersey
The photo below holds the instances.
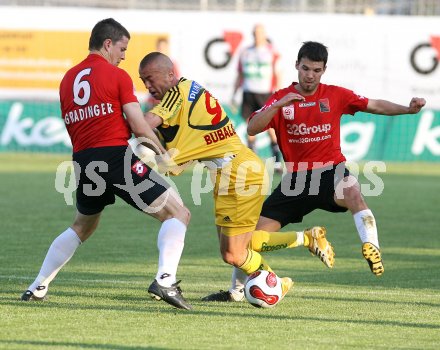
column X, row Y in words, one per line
column 221, row 134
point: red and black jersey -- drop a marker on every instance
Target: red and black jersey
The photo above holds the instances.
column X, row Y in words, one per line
column 308, row 132
column 92, row 94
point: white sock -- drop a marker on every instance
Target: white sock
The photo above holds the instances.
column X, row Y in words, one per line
column 366, row 226
column 61, row 250
column 300, row 238
column 170, row 242
column 238, row 280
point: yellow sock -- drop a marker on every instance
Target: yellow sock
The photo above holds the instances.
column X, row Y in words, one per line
column 254, row 261
column 306, row 240
column 263, row 241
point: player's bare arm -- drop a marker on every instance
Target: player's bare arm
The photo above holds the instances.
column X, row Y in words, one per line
column 165, row 161
column 153, row 120
column 141, row 128
column 389, row 108
column 262, row 118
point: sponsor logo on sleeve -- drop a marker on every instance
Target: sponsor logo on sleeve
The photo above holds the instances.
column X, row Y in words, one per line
column 193, row 91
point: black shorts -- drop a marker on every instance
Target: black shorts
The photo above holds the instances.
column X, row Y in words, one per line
column 101, row 173
column 252, row 102
column 299, row 193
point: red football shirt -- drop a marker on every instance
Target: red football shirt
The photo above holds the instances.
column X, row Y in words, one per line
column 308, row 132
column 92, row 94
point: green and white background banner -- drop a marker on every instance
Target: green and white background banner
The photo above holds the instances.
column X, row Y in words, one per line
column 37, row 126
column 383, row 57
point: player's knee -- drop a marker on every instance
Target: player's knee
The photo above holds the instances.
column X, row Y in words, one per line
column 175, row 210
column 228, row 258
column 347, row 189
column 231, row 258
column 178, row 210
column 84, row 231
column 353, row 199
column 352, row 194
column 171, row 206
column 183, row 214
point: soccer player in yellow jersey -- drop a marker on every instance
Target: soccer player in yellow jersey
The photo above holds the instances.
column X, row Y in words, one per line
column 193, row 123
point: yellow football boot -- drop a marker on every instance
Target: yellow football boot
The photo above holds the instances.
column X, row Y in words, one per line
column 319, row 246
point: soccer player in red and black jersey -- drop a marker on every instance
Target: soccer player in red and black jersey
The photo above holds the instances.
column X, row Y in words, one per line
column 306, row 118
column 95, row 95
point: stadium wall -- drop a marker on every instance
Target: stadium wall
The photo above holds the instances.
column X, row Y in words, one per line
column 393, row 58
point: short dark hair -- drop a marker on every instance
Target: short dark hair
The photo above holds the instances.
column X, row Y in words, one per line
column 314, row 51
column 106, row 29
column 151, row 57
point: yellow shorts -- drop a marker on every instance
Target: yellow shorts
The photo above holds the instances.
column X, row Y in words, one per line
column 239, row 192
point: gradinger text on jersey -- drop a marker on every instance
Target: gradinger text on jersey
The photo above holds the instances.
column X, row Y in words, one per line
column 96, row 110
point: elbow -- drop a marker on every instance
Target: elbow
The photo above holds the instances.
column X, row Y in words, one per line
column 139, row 131
column 250, row 131
column 136, row 131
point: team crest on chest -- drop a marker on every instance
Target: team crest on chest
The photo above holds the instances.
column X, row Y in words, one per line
column 288, row 112
column 324, row 105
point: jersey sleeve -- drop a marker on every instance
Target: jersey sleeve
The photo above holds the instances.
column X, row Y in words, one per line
column 126, row 88
column 170, row 104
column 352, row 102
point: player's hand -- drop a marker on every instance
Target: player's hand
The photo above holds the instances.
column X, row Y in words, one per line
column 166, row 164
column 416, row 105
column 289, row 99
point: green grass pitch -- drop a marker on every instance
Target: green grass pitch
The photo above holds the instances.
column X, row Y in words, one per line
column 99, row 299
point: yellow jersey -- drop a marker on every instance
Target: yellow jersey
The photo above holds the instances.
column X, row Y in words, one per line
column 195, row 124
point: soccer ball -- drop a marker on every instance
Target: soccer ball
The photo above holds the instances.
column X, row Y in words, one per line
column 263, row 289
